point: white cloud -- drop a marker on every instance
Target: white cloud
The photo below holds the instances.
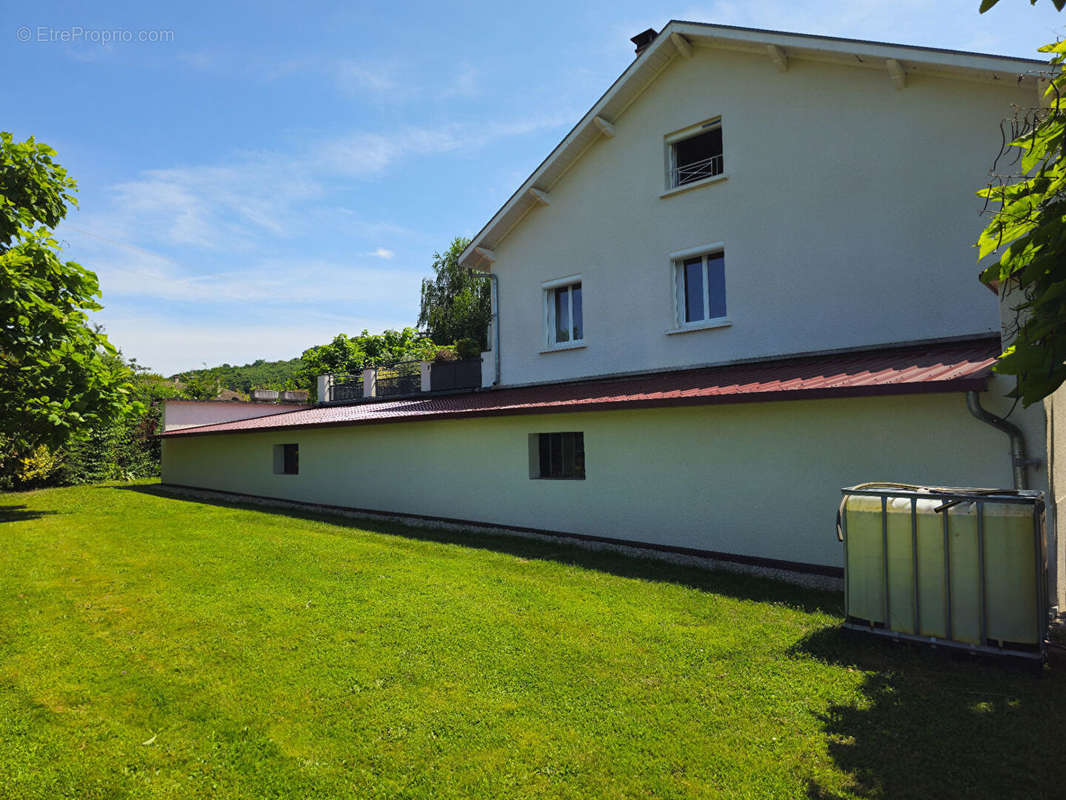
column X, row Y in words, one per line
column 383, row 252
column 349, row 75
column 198, row 59
column 215, row 207
column 170, row 345
column 464, row 84
column 366, row 154
column 354, row 76
column 127, row 271
column 257, row 197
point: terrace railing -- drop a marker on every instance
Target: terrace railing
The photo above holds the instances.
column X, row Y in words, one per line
column 402, row 379
column 397, row 379
column 345, row 388
column 452, row 375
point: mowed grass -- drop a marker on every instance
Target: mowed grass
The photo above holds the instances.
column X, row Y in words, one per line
column 153, row 646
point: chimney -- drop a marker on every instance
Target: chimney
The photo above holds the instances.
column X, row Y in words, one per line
column 643, row 39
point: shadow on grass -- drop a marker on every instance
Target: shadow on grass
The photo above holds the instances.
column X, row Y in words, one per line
column 940, row 724
column 21, row 513
column 724, row 582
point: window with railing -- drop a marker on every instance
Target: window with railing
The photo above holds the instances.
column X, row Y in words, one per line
column 695, row 154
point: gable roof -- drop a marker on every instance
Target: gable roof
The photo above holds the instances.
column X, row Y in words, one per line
column 955, row 366
column 678, row 39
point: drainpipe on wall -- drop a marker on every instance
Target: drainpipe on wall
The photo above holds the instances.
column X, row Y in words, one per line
column 494, row 280
column 1019, row 461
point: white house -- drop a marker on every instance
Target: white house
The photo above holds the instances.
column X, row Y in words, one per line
column 743, row 280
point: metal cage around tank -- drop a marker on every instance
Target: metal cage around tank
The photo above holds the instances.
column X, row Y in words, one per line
column 961, row 568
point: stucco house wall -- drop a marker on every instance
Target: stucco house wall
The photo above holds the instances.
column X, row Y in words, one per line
column 847, row 214
column 848, row 217
column 756, row 479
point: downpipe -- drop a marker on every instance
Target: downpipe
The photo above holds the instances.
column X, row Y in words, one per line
column 494, row 288
column 1019, row 460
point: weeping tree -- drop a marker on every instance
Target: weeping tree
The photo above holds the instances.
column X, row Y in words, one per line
column 455, row 302
column 1028, row 231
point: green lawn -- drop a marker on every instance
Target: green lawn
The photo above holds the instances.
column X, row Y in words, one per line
column 152, row 646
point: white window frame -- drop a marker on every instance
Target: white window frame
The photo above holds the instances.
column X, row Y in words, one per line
column 671, row 157
column 548, row 291
column 677, row 274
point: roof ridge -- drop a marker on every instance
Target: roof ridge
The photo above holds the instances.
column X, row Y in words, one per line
column 851, row 40
column 651, row 63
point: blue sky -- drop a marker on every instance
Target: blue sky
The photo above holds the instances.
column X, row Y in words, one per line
column 269, row 175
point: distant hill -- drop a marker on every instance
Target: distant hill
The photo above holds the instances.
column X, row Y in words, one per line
column 258, row 375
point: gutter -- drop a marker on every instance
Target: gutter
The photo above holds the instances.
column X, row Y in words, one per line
column 506, row 409
column 1020, row 462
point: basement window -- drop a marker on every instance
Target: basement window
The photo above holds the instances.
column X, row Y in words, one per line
column 695, row 154
column 286, row 459
column 557, row 456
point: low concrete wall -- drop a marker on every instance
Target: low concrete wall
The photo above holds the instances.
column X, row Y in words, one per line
column 179, row 414
column 756, row 479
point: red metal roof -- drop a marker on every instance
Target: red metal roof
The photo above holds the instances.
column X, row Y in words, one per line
column 932, row 367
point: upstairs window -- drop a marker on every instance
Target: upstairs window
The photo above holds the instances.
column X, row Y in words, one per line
column 700, row 287
column 557, row 456
column 286, row 459
column 695, row 154
column 565, row 317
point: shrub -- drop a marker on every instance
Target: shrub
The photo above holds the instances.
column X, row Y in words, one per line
column 445, row 354
column 39, row 467
column 468, row 348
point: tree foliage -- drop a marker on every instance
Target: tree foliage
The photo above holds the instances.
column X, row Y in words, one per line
column 260, row 374
column 350, row 355
column 34, row 189
column 117, row 448
column 1029, row 231
column 987, row 4
column 455, row 303
column 123, row 448
column 58, row 373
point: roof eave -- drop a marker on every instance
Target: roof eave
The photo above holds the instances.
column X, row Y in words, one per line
column 977, row 382
column 661, row 52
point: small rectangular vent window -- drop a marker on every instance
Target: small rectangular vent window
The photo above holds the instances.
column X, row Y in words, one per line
column 286, row 459
column 557, row 456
